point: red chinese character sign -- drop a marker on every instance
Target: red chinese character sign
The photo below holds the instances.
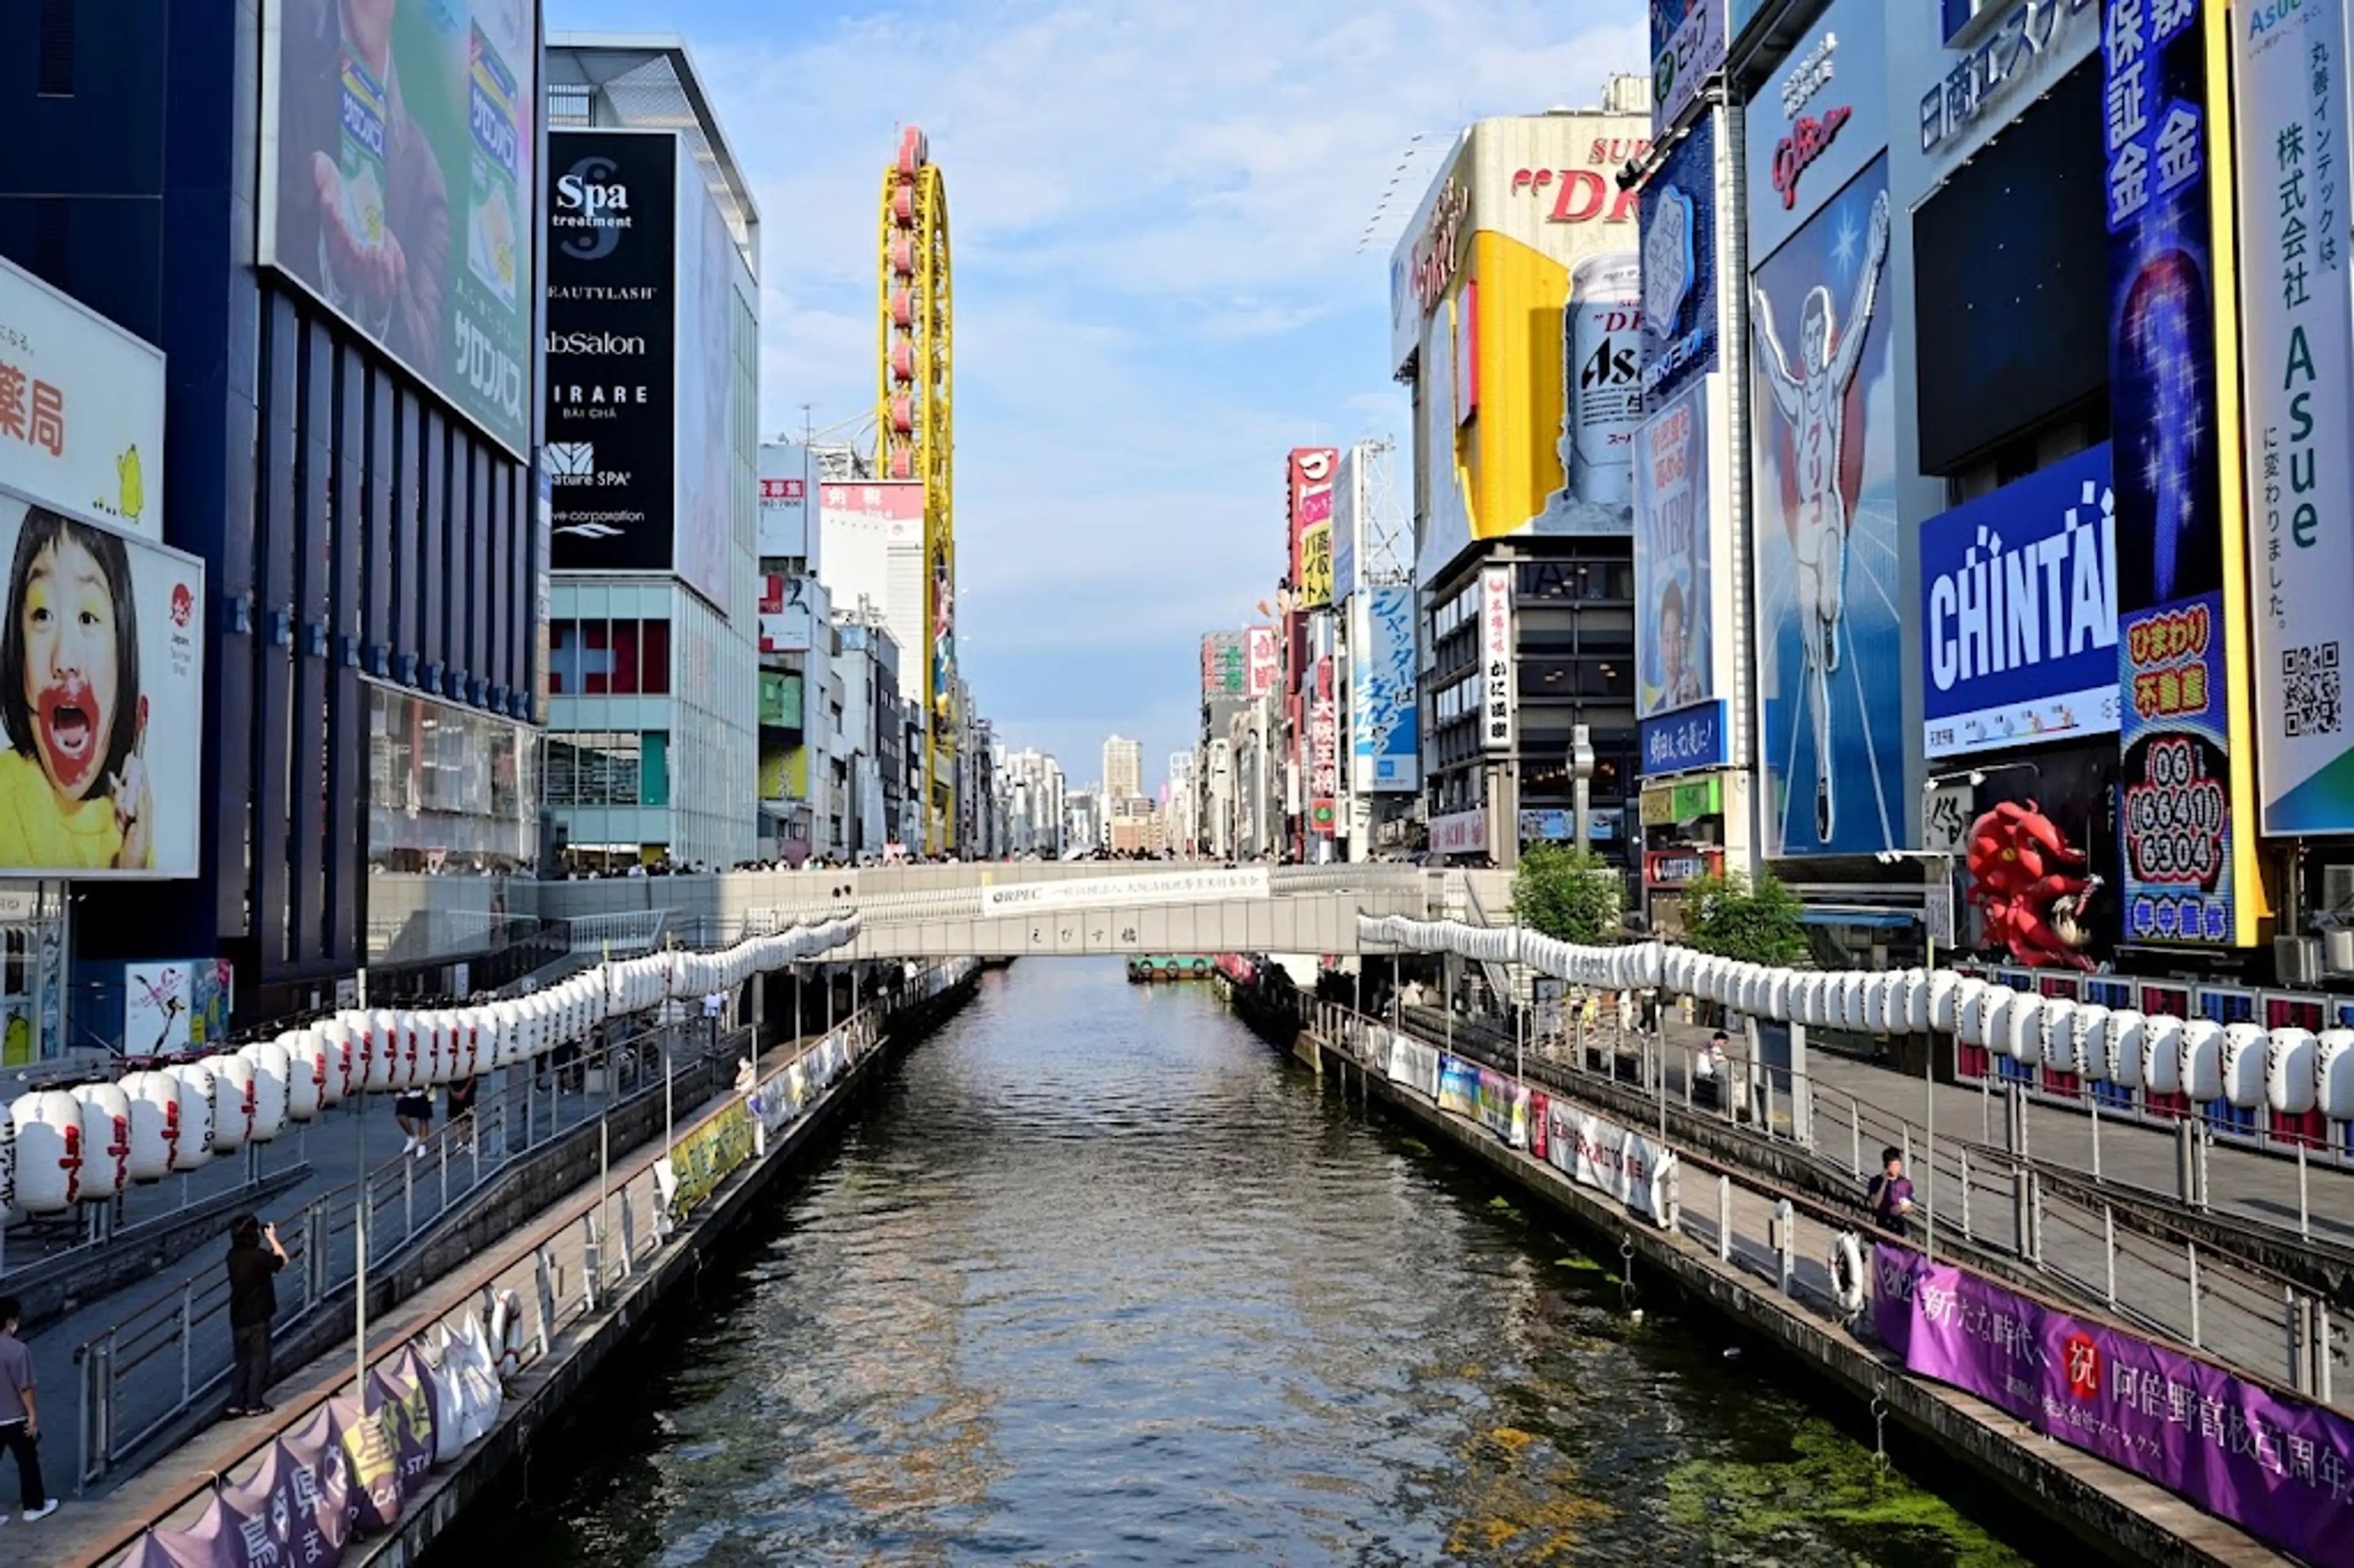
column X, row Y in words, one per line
column 81, row 408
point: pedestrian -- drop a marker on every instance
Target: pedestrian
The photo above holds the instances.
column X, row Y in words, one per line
column 413, row 1109
column 462, row 1112
column 1889, row 1194
column 252, row 1303
column 20, row 1414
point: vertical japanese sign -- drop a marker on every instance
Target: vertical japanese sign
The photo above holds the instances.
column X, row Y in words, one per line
column 1223, row 670
column 1496, row 658
column 2296, row 315
column 1323, row 748
column 1311, row 525
column 1382, row 691
column 1259, row 655
column 2189, row 873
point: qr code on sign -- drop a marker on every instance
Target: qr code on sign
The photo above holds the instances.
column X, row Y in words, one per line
column 2310, row 698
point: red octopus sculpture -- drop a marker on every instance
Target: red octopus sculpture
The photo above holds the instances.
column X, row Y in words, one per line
column 2031, row 904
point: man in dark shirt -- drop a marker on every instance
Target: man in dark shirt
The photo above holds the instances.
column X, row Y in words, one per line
column 252, row 1303
column 1889, row 1194
column 20, row 1414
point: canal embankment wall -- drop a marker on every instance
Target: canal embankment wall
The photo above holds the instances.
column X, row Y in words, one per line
column 590, row 1276
column 2121, row 1517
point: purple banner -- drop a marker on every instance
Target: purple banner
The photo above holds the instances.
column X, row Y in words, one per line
column 2281, row 1469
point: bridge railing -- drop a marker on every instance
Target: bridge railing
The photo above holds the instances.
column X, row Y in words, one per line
column 2098, row 1247
column 1765, row 1229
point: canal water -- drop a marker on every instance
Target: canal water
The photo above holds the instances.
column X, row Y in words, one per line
column 1098, row 1276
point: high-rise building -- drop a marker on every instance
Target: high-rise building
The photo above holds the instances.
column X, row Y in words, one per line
column 653, row 253
column 350, row 459
column 1123, row 769
column 1032, row 783
column 1522, row 491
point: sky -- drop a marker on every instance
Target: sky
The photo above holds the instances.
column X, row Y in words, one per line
column 1158, row 218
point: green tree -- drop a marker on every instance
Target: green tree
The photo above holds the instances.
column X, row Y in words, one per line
column 1759, row 925
column 1571, row 895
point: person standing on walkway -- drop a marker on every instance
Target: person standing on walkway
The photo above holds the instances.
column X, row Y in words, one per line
column 252, row 1303
column 20, row 1414
column 462, row 1112
column 413, row 1110
column 1890, row 1193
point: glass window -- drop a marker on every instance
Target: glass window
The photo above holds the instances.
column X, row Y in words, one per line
column 656, row 785
column 449, row 784
column 654, row 656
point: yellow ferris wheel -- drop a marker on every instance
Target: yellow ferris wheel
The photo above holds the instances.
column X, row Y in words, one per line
column 913, row 439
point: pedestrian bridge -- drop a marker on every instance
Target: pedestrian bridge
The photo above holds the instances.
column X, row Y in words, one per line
column 1020, row 909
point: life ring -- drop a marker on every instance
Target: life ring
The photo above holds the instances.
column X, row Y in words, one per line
column 1847, row 1273
column 506, row 1335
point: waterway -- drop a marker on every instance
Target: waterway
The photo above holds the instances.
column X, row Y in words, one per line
column 1098, row 1276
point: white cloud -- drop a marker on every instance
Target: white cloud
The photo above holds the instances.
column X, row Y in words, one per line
column 1156, row 215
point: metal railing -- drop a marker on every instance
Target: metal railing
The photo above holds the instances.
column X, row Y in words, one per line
column 2097, row 1249
column 569, row 1261
column 142, row 1375
column 623, row 934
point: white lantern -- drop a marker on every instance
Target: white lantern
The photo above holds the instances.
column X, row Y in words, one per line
column 154, row 1123
column 199, row 1108
column 2291, row 1060
column 272, row 1094
column 105, row 1141
column 48, row 1150
column 2244, row 1059
column 232, row 1103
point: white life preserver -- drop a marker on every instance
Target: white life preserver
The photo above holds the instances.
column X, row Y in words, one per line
column 1847, row 1272
column 507, row 1334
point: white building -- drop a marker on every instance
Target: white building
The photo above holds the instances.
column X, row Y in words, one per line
column 1035, row 795
column 653, row 692
column 1123, row 768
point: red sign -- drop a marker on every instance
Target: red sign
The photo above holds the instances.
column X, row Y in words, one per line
column 772, row 594
column 1260, row 657
column 1439, row 250
column 1675, row 867
column 1578, row 195
column 1809, row 139
column 784, row 490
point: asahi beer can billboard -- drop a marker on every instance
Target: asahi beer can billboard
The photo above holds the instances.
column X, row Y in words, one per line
column 1602, row 356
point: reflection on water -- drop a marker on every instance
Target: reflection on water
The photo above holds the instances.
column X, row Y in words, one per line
column 1098, row 1278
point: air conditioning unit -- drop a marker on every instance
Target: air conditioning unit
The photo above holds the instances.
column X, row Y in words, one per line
column 2337, row 887
column 2298, row 959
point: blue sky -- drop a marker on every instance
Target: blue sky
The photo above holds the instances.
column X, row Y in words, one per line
column 1156, row 213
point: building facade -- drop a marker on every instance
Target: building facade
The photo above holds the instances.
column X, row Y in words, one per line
column 1522, row 491
column 652, row 342
column 354, row 470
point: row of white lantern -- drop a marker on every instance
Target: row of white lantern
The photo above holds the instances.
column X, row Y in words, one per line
column 2292, row 1070
column 61, row 1147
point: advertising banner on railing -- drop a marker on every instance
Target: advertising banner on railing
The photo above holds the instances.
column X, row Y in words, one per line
column 701, row 1160
column 2279, row 1468
column 1496, row 1096
column 1459, row 1085
column 1635, row 1169
column 1538, row 1108
column 1416, row 1066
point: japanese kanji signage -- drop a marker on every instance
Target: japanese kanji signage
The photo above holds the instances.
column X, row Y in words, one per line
column 1496, row 658
column 82, row 410
column 2297, row 313
column 2189, row 872
column 2280, row 1468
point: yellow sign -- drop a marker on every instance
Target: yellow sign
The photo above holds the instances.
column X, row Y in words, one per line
column 703, row 1158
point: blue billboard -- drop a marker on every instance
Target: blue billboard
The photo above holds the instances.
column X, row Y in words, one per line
column 1677, row 213
column 2186, row 801
column 1823, row 459
column 1679, row 742
column 1385, row 748
column 2019, row 624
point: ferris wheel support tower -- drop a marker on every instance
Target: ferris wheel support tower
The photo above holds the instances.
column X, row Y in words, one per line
column 914, row 439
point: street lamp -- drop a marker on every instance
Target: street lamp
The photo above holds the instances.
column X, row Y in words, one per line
column 1581, row 776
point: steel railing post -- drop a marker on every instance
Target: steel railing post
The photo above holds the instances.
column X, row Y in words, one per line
column 2191, row 1251
column 188, row 1340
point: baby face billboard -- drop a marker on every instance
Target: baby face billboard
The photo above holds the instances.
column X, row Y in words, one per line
column 101, row 701
column 1829, row 641
column 398, row 184
column 1672, row 516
